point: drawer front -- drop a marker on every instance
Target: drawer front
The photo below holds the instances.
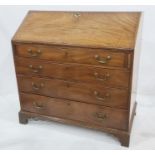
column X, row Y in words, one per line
column 96, row 115
column 72, row 55
column 74, row 72
column 74, row 91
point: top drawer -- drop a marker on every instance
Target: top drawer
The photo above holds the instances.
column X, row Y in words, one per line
column 73, row 55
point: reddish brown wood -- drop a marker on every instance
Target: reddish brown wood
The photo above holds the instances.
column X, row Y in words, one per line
column 74, row 72
column 83, row 29
column 64, row 54
column 123, row 136
column 111, row 97
column 83, row 74
column 98, row 115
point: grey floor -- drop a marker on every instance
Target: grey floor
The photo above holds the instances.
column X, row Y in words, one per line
column 50, row 135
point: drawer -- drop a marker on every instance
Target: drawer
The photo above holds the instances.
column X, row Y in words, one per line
column 95, row 94
column 83, row 112
column 73, row 72
column 73, row 55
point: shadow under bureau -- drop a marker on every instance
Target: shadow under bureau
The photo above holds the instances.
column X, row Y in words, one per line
column 79, row 68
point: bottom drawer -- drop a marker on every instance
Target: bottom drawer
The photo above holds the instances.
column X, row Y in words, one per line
column 94, row 114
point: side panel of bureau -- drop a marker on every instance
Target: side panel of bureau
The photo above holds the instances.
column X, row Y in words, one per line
column 135, row 68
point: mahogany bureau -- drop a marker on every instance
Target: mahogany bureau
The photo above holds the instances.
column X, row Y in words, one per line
column 79, row 68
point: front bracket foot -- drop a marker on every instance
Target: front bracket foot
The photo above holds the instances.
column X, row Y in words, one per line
column 23, row 119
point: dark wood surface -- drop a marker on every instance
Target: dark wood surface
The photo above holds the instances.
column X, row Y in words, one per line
column 64, row 54
column 87, row 78
column 95, row 94
column 73, row 72
column 123, row 136
column 98, row 115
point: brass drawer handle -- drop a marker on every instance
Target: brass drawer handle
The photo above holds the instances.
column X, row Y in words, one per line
column 36, row 69
column 34, row 53
column 100, row 115
column 97, row 95
column 37, row 87
column 103, row 78
column 77, row 15
column 102, row 60
column 38, row 105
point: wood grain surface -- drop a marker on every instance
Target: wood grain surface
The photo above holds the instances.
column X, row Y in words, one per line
column 99, row 115
column 89, row 93
column 79, row 55
column 97, row 29
column 74, row 72
column 79, row 68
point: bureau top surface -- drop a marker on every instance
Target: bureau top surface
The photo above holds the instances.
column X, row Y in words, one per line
column 88, row 29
